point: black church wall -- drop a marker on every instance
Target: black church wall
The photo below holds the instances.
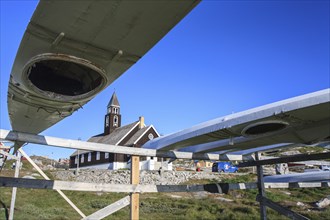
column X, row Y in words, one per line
column 145, row 137
column 136, row 129
column 93, row 161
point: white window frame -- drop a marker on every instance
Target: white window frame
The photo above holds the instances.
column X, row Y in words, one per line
column 82, row 158
column 107, row 121
column 106, row 155
column 115, row 120
column 89, row 159
column 76, row 160
column 98, row 155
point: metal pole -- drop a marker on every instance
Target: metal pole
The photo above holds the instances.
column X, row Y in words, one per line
column 261, row 189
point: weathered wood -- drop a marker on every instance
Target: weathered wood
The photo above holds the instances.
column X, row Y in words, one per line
column 47, row 178
column 8, row 155
column 261, row 189
column 82, row 145
column 135, row 179
column 127, row 188
column 108, row 210
column 284, row 211
column 286, row 159
column 14, row 191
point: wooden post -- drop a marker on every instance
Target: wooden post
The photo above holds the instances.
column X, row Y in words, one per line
column 135, row 179
column 13, row 195
column 261, row 189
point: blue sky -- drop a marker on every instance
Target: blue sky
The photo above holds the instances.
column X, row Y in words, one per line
column 224, row 57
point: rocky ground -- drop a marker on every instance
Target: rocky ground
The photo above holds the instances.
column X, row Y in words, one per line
column 123, row 176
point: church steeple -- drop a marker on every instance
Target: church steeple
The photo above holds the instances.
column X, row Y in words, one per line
column 113, row 117
column 113, row 101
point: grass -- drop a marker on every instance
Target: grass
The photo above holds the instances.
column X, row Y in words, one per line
column 164, row 207
column 47, row 204
column 311, row 149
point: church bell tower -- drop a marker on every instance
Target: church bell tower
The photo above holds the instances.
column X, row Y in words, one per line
column 112, row 118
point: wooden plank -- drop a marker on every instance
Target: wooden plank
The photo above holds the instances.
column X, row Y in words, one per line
column 114, row 207
column 261, row 189
column 127, row 188
column 135, row 179
column 47, row 178
column 297, row 185
column 286, row 159
column 93, row 187
column 14, row 191
column 282, row 210
column 8, row 155
column 82, row 145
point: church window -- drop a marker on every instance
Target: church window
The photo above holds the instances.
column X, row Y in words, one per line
column 109, row 110
column 151, row 136
column 115, row 120
column 97, row 155
column 107, row 121
column 89, row 157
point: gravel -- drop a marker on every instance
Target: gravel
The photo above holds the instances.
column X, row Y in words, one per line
column 123, row 176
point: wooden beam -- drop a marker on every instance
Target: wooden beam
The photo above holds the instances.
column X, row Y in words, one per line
column 106, row 211
column 8, row 155
column 261, row 189
column 93, row 187
column 127, row 188
column 135, row 179
column 14, row 191
column 282, row 210
column 286, row 159
column 82, row 145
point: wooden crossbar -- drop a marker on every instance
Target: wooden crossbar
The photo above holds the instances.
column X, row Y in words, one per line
column 110, row 209
column 130, row 188
column 82, row 145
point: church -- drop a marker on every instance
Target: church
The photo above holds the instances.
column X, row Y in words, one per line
column 134, row 134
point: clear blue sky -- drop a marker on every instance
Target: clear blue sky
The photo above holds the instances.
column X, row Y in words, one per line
column 224, row 57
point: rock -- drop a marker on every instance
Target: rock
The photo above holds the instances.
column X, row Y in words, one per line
column 224, row 199
column 176, row 196
column 28, row 177
column 200, row 195
column 300, row 204
column 286, row 193
column 323, row 203
column 123, row 176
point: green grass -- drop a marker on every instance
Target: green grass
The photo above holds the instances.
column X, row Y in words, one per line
column 47, row 204
column 311, row 149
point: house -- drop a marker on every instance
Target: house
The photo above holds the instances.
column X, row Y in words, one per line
column 134, row 134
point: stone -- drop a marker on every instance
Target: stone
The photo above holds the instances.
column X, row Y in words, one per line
column 28, row 177
column 224, row 199
column 300, row 204
column 323, row 203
